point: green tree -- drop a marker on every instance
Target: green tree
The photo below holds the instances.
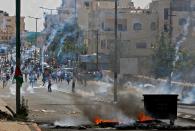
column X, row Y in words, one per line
column 69, row 46
column 164, row 55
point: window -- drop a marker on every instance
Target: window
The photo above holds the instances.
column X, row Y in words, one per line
column 137, row 26
column 181, row 5
column 103, row 44
column 86, row 3
column 166, row 13
column 182, row 21
column 102, row 25
column 122, row 27
column 110, row 43
column 153, row 26
column 166, row 28
column 141, row 45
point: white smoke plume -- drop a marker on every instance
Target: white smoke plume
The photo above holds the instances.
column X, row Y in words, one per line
column 185, row 91
column 68, row 3
column 190, row 97
column 126, row 110
column 182, row 38
column 51, row 38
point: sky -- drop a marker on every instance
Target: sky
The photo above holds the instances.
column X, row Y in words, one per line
column 32, row 8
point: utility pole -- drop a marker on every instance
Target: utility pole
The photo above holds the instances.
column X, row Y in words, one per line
column 36, row 19
column 18, row 54
column 75, row 8
column 97, row 53
column 115, row 55
column 74, row 59
column 170, row 37
column 170, row 21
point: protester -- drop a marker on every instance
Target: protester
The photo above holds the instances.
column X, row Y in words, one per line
column 73, row 84
column 32, row 79
column 49, row 85
column 68, row 79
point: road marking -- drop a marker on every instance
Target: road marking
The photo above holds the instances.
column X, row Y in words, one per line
column 186, row 116
column 48, row 111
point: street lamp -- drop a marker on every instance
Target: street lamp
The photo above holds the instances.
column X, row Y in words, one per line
column 48, row 9
column 170, row 37
column 36, row 18
column 115, row 67
column 51, row 10
column 115, row 54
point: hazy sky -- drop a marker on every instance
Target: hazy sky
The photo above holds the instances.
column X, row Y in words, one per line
column 31, row 8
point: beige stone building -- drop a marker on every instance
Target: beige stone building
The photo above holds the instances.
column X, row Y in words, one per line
column 8, row 27
column 182, row 21
column 138, row 29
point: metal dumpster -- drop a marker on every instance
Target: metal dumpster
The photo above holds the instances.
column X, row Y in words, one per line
column 161, row 106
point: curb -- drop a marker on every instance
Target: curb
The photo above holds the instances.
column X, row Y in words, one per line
column 6, row 110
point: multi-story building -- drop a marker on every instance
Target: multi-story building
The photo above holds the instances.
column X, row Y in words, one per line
column 138, row 29
column 8, row 28
column 178, row 15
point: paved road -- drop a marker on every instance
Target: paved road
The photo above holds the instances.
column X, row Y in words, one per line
column 62, row 107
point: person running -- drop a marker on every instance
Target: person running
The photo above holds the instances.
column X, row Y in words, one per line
column 32, row 79
column 7, row 76
column 49, row 85
column 73, row 84
column 12, row 70
column 68, row 79
column 4, row 80
column 44, row 79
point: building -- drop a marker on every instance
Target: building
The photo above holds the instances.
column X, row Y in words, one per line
column 64, row 13
column 180, row 16
column 8, row 27
column 137, row 31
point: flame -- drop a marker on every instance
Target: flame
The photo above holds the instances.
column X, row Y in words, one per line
column 99, row 121
column 143, row 117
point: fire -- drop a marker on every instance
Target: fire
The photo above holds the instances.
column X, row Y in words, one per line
column 100, row 121
column 143, row 117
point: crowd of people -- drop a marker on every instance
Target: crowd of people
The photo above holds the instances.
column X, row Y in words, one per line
column 33, row 72
column 6, row 71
